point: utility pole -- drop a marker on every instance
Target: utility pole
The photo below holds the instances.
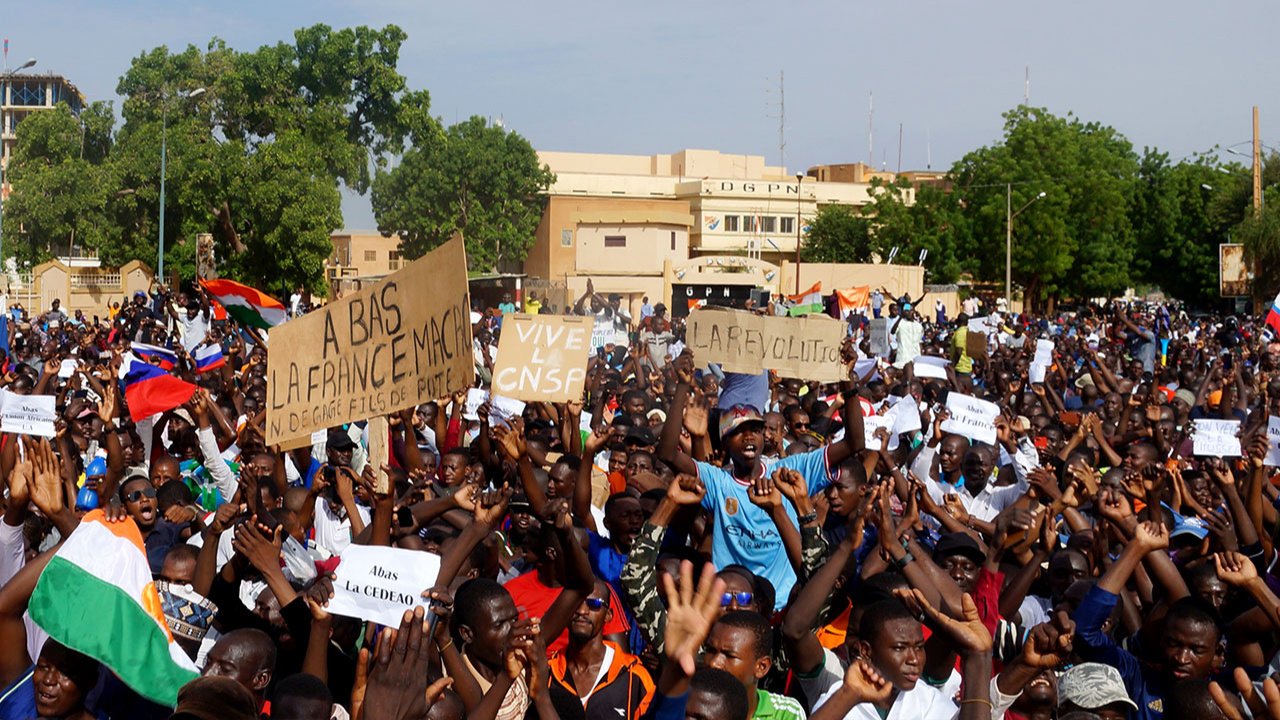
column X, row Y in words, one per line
column 1008, row 248
column 871, row 119
column 1257, row 166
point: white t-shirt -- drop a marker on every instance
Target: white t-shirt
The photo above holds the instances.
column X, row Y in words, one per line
column 333, row 535
column 194, row 329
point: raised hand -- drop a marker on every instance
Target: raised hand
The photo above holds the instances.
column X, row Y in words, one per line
column 866, row 683
column 491, row 505
column 396, row 680
column 1235, row 569
column 764, row 494
column 696, row 414
column 1151, row 536
column 1114, row 506
column 970, row 636
column 262, row 553
column 690, row 614
column 1049, row 644
column 686, row 490
column 511, row 441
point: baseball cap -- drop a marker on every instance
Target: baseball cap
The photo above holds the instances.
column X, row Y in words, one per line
column 339, row 440
column 1190, row 526
column 639, row 436
column 215, row 698
column 1093, row 685
column 520, row 503
column 614, row 296
column 958, row 543
column 735, row 416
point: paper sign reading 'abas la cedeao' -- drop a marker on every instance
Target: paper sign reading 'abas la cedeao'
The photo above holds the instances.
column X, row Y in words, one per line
column 806, row 347
column 542, row 358
column 379, row 583
column 397, row 344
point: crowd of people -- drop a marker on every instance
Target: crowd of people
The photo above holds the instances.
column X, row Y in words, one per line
column 681, row 541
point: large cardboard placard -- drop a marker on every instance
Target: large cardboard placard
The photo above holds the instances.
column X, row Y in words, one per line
column 399, row 343
column 806, row 347
column 542, row 358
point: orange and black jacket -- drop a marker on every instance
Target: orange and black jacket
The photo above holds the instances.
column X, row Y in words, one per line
column 626, row 685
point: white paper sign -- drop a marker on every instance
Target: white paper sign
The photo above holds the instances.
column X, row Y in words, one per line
column 928, row 366
column 502, row 409
column 1273, row 437
column 67, row 368
column 861, row 367
column 1044, row 352
column 905, row 416
column 1035, row 372
column 878, row 337
column 971, row 417
column 1216, row 438
column 584, row 421
column 320, row 437
column 978, row 325
column 873, row 423
column 475, row 398
column 379, row 583
column 27, row 414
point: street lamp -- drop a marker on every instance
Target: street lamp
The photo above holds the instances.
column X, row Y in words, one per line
column 6, row 76
column 1008, row 241
column 799, row 182
column 164, row 136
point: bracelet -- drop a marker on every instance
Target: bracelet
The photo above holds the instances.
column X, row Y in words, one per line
column 806, row 519
column 900, row 564
column 978, row 700
column 446, row 645
column 848, row 395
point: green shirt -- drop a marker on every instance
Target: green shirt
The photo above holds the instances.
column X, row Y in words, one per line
column 777, row 707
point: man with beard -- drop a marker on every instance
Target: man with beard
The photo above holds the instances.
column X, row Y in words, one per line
column 610, row 681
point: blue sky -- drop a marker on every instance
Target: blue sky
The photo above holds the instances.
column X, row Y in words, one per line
column 660, row 76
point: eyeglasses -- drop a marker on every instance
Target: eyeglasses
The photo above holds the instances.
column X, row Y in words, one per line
column 799, row 424
column 595, row 603
column 137, row 495
column 743, row 598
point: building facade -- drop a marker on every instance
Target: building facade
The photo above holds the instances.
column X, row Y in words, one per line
column 617, row 219
column 360, row 257
column 24, row 93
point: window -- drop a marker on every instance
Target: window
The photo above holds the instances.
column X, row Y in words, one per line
column 393, row 260
column 731, row 223
column 673, row 240
column 769, row 224
column 788, row 225
column 370, row 255
column 615, row 241
column 566, row 238
column 750, row 223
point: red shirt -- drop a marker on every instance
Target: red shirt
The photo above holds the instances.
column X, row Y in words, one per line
column 533, row 599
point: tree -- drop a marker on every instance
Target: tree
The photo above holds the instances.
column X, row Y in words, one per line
column 933, row 222
column 1077, row 240
column 481, row 181
column 59, row 183
column 838, row 234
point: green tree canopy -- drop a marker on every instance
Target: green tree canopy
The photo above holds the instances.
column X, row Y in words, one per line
column 481, row 181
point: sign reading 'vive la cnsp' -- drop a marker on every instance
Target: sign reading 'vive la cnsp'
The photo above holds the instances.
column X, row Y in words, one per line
column 399, row 343
column 542, row 358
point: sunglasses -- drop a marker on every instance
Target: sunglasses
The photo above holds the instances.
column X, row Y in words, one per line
column 743, row 598
column 137, row 495
column 595, row 603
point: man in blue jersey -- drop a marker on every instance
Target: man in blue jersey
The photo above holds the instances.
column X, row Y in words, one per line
column 745, row 534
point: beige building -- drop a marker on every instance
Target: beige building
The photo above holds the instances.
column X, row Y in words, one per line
column 617, row 219
column 361, row 256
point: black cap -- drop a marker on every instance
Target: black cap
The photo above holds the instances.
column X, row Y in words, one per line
column 339, row 440
column 637, row 435
column 614, row 296
column 519, row 503
column 958, row 543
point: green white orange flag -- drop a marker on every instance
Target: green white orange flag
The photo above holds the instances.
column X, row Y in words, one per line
column 246, row 305
column 96, row 596
column 809, row 301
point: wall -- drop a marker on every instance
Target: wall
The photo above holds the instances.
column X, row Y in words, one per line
column 897, row 279
column 90, row 290
column 647, row 246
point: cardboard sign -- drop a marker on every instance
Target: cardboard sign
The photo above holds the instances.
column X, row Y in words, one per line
column 28, row 414
column 379, row 451
column 806, row 347
column 378, row 583
column 542, row 358
column 928, row 366
column 1273, row 438
column 402, row 342
column 971, row 417
column 878, row 336
column 1216, row 438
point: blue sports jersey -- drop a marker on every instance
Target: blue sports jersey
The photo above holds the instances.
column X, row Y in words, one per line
column 744, row 533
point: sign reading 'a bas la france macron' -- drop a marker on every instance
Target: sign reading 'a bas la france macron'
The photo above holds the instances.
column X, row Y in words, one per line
column 397, row 344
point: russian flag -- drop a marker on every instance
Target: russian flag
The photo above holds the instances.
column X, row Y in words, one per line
column 166, row 359
column 208, row 357
column 1273, row 317
column 150, row 390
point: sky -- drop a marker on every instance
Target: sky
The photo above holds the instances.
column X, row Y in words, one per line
column 658, row 76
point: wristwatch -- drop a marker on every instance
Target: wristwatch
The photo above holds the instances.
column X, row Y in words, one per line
column 901, row 563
